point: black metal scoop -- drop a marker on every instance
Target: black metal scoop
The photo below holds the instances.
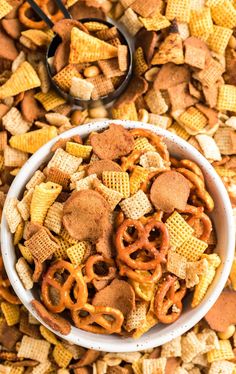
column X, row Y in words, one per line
column 57, row 40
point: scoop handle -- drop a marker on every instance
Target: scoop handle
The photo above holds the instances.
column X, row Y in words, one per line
column 40, row 13
column 63, row 9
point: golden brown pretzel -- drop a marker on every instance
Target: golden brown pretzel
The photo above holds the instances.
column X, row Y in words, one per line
column 98, row 319
column 199, row 187
column 154, row 139
column 95, row 260
column 187, row 164
column 142, row 242
column 64, row 289
column 152, row 277
column 197, row 214
column 166, row 298
column 39, row 25
column 128, row 163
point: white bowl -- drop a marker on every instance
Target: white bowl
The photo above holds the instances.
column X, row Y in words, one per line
column 223, row 221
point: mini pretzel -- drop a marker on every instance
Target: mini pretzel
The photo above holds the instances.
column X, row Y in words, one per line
column 5, row 293
column 187, row 164
column 157, row 216
column 119, row 220
column 199, row 187
column 142, row 242
column 30, row 23
column 64, row 290
column 127, row 163
column 197, row 213
column 98, row 319
column 166, row 297
column 90, row 268
column 155, row 140
column 138, row 277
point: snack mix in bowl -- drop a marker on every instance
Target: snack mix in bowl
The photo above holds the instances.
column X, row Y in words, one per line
column 184, row 81
column 114, row 232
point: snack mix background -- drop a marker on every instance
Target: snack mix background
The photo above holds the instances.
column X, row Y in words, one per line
column 184, row 80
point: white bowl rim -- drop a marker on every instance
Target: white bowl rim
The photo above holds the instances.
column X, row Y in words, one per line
column 111, row 344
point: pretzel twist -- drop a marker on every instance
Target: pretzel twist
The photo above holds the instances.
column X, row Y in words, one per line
column 95, row 260
column 197, row 214
column 187, row 164
column 127, row 163
column 142, row 242
column 154, row 276
column 199, row 187
column 166, row 298
column 64, row 290
column 39, row 25
column 155, row 140
column 98, row 319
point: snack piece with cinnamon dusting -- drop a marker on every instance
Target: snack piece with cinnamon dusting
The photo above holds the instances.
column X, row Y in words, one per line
column 98, row 167
column 85, row 214
column 112, row 143
column 170, row 191
column 119, row 295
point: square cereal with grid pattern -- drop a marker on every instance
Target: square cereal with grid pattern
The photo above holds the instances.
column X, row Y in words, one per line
column 42, row 244
column 5, row 8
column 200, row 23
column 154, row 365
column 136, row 206
column 192, row 248
column 179, row 230
column 118, row 181
column 193, row 119
column 131, row 22
column 64, row 78
column 49, row 100
column 176, row 264
column 156, row 22
column 126, row 111
column 140, row 65
column 61, row 251
column 219, row 39
column 11, row 313
column 210, row 74
column 34, row 349
column 64, row 161
column 179, row 10
column 225, row 352
column 139, row 175
column 224, row 14
column 226, row 98
column 62, row 356
column 78, row 150
column 76, row 252
column 179, row 130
